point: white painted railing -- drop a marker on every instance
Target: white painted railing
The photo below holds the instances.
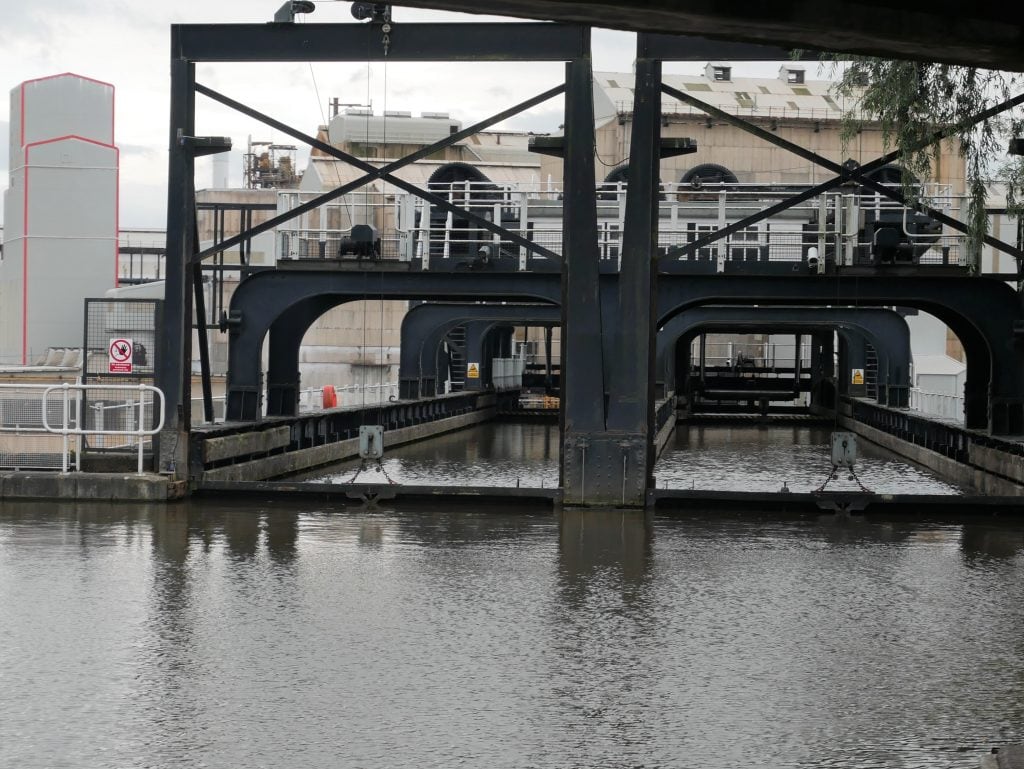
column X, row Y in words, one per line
column 937, row 404
column 348, row 396
column 69, row 427
column 42, row 432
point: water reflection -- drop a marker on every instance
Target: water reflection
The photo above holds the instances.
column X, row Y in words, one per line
column 277, row 634
column 763, row 458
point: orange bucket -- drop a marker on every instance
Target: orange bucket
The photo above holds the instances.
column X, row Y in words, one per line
column 330, row 397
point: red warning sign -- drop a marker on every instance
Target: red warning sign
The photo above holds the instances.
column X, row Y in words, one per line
column 119, row 357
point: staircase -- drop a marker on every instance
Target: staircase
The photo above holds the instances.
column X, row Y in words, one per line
column 871, row 372
column 456, row 341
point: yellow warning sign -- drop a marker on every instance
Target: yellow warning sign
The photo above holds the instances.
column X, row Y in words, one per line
column 473, row 371
column 857, row 376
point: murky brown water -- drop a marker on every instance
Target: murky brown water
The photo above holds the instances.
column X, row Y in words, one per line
column 727, row 458
column 249, row 635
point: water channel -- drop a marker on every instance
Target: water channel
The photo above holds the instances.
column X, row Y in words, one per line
column 725, row 458
column 222, row 633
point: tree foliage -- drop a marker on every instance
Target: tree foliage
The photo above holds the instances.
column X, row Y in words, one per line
column 912, row 101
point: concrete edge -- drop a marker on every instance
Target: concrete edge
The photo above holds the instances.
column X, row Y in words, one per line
column 307, row 459
column 88, row 487
column 957, row 472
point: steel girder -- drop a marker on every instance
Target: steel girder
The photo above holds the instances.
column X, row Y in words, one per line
column 425, row 326
column 261, row 300
column 984, row 318
column 306, row 42
column 980, row 35
column 885, row 330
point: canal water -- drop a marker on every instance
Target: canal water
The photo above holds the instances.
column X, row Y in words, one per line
column 722, row 458
column 252, row 635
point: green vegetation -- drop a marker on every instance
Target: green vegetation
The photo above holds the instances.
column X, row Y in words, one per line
column 914, row 100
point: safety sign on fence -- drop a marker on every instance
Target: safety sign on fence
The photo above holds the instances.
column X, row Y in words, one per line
column 119, row 356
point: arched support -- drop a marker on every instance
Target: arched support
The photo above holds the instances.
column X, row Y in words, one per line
column 985, row 314
column 425, row 325
column 263, row 298
column 285, row 339
column 885, row 329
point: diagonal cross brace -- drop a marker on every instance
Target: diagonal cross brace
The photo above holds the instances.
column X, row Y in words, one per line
column 845, row 174
column 373, row 173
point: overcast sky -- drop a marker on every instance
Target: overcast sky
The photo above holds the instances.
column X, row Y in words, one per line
column 125, row 42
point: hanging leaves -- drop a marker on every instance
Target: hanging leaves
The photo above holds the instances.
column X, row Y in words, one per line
column 912, row 100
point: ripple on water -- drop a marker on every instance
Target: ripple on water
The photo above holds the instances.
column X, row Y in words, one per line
column 721, row 458
column 225, row 636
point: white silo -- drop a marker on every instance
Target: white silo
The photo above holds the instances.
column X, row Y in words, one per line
column 60, row 213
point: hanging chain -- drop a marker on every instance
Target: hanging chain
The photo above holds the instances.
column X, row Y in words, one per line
column 378, row 465
column 833, row 474
column 385, row 40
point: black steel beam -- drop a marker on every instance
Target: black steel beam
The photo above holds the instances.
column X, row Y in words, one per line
column 584, row 369
column 266, row 296
column 973, row 34
column 174, row 372
column 631, row 395
column 691, row 48
column 370, row 170
column 982, row 313
column 364, row 42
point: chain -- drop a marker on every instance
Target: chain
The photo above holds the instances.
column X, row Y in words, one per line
column 833, row 474
column 385, row 40
column 379, row 467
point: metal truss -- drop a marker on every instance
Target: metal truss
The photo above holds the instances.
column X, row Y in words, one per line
column 288, row 42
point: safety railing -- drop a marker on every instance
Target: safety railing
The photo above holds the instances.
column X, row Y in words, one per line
column 25, row 444
column 937, row 404
column 41, row 432
column 759, row 355
column 347, row 396
column 408, row 228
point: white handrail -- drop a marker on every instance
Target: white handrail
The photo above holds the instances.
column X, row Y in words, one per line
column 66, row 430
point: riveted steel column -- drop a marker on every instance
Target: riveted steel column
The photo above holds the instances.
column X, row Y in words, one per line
column 622, row 460
column 583, row 364
column 174, row 372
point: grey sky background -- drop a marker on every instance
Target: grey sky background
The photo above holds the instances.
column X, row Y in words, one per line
column 126, row 43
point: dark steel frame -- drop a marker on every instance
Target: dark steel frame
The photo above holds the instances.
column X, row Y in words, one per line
column 276, row 42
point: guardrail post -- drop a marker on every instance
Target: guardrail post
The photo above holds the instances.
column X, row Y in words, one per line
column 64, row 428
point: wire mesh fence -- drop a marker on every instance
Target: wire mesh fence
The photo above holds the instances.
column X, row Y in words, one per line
column 121, row 338
column 25, row 443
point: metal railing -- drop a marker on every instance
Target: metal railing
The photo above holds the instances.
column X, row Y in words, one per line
column 348, row 396
column 40, row 432
column 410, row 228
column 25, row 444
column 138, row 407
column 760, row 355
column 937, row 404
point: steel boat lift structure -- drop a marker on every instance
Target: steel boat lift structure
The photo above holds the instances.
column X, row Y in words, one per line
column 609, row 319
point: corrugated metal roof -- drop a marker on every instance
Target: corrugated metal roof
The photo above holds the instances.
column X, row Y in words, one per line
column 762, row 96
